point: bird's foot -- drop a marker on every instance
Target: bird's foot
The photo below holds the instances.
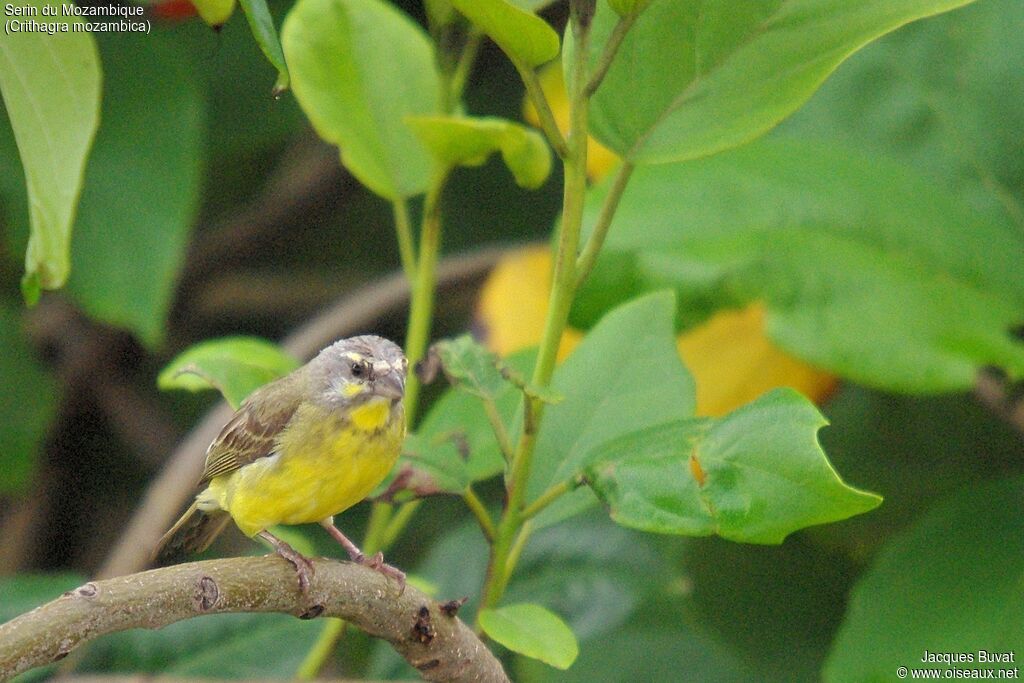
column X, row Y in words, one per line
column 378, row 564
column 303, row 566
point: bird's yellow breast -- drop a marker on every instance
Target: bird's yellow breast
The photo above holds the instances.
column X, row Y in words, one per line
column 324, row 464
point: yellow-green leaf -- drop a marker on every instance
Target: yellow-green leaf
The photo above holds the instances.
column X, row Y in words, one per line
column 358, row 69
column 235, row 366
column 51, row 90
column 524, row 37
column 463, row 141
column 533, row 631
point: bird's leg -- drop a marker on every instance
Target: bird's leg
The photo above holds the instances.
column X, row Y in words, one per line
column 303, row 567
column 376, row 562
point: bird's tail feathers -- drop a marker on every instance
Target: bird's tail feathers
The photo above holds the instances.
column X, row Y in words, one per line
column 193, row 533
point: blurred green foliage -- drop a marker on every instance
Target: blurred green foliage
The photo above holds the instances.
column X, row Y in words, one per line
column 881, row 223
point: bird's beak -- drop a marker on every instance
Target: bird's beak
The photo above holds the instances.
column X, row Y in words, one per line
column 389, row 383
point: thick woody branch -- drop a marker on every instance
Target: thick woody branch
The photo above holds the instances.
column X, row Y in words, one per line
column 425, row 632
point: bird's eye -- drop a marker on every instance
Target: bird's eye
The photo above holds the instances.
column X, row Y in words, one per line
column 357, row 369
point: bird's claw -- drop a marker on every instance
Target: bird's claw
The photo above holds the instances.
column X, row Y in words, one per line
column 378, row 564
column 303, row 566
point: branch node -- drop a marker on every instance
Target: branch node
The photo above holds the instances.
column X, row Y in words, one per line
column 313, row 612
column 87, row 591
column 206, row 595
column 428, row 665
column 451, row 608
column 423, row 631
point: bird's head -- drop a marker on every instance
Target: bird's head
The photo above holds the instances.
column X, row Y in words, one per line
column 353, row 371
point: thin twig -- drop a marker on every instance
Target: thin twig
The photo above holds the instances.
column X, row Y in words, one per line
column 403, row 229
column 167, row 493
column 479, row 511
column 588, row 257
column 547, row 498
column 544, row 113
column 442, row 648
column 611, row 48
column 498, row 427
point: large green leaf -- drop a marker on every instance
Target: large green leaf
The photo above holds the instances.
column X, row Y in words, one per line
column 626, row 375
column 235, row 366
column 943, row 95
column 142, row 186
column 359, row 67
column 692, row 79
column 949, row 584
column 867, row 268
column 756, row 475
column 464, row 141
column 531, row 630
column 525, row 37
column 30, row 401
column 51, row 90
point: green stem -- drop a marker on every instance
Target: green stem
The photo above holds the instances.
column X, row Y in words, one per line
column 509, row 539
column 544, row 113
column 548, row 497
column 403, row 229
column 460, row 75
column 479, row 511
column 498, row 427
column 421, row 308
column 585, row 263
column 330, row 634
column 398, row 522
column 611, row 48
column 517, row 548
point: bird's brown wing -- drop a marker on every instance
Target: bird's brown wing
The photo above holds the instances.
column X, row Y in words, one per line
column 252, row 432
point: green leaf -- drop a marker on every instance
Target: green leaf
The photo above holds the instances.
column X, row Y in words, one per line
column 456, row 430
column 429, row 465
column 29, row 405
column 51, row 90
column 533, row 631
column 469, row 366
column 692, row 79
column 523, row 36
column 463, row 141
column 947, row 584
column 235, row 366
column 142, row 186
column 625, row 375
column 755, row 476
column 262, row 25
column 941, row 96
column 867, row 268
column 359, row 68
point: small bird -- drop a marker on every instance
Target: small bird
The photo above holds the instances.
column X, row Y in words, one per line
column 302, row 449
